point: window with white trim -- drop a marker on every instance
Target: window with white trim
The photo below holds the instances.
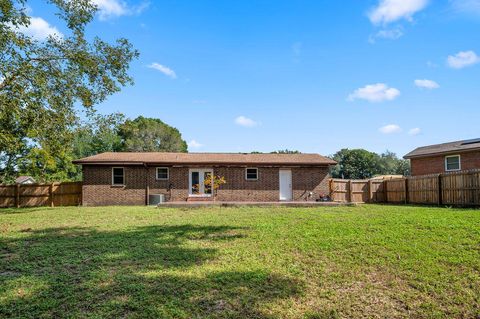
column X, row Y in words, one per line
column 118, row 176
column 251, row 174
column 162, row 173
column 452, row 163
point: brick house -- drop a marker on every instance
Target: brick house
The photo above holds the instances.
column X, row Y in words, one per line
column 446, row 157
column 130, row 178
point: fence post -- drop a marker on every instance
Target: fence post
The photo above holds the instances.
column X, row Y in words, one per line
column 330, row 188
column 50, row 194
column 17, row 195
column 407, row 195
column 370, row 191
column 385, row 191
column 440, row 199
column 350, row 191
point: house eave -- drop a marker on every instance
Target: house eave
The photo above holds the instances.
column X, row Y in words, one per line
column 197, row 164
column 451, row 152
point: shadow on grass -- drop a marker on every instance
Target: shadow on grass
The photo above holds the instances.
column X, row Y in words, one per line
column 144, row 272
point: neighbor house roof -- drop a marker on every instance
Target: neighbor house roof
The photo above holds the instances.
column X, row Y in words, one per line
column 23, row 179
column 140, row 158
column 445, row 148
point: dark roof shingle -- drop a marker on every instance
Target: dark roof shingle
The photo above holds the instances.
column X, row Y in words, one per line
column 445, row 148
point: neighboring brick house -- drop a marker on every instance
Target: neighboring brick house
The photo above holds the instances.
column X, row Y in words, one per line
column 447, row 157
column 129, row 178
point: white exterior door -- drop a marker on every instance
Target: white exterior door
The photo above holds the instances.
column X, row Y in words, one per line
column 285, row 185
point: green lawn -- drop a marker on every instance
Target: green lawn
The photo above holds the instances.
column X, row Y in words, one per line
column 329, row 262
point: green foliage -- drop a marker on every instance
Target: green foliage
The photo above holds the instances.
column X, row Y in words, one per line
column 150, row 135
column 100, row 133
column 217, row 181
column 390, row 164
column 285, row 151
column 42, row 81
column 355, row 164
column 360, row 164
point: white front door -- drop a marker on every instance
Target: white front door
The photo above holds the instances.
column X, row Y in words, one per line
column 285, row 185
column 196, row 181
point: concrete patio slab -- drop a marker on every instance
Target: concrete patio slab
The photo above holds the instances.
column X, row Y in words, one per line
column 253, row 204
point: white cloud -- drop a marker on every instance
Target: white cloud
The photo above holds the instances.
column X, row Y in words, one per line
column 426, row 84
column 39, row 29
column 375, row 93
column 245, row 121
column 390, row 129
column 414, row 131
column 115, row 8
column 389, row 34
column 466, row 6
column 392, row 10
column 462, row 59
column 194, row 144
column 164, row 69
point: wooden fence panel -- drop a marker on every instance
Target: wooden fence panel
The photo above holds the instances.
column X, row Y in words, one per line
column 377, row 191
column 457, row 188
column 461, row 188
column 339, row 191
column 7, row 196
column 359, row 192
column 67, row 194
column 395, row 190
column 423, row 189
column 31, row 195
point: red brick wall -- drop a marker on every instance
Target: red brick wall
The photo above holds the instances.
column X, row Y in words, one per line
column 97, row 188
column 436, row 164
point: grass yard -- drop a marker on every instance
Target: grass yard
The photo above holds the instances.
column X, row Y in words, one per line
column 329, row 262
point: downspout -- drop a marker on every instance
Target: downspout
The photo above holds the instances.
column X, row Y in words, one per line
column 147, row 188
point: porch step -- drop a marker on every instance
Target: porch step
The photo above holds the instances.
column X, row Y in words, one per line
column 199, row 199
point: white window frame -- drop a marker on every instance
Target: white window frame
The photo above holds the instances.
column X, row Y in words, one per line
column 201, row 172
column 246, row 175
column 162, row 179
column 113, row 180
column 459, row 163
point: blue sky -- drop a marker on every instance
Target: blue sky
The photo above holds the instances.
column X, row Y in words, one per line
column 314, row 76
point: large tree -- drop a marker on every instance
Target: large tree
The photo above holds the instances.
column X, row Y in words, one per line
column 98, row 133
column 151, row 135
column 360, row 164
column 41, row 82
column 390, row 164
column 355, row 164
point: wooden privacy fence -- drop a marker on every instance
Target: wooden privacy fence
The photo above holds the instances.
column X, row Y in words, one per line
column 357, row 191
column 458, row 188
column 30, row 195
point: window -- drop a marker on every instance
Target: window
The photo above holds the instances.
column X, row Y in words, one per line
column 162, row 173
column 452, row 163
column 118, row 176
column 251, row 174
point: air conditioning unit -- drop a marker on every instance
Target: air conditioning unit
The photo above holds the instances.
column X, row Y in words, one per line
column 155, row 199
